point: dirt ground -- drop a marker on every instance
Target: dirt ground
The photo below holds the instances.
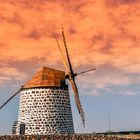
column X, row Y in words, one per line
column 130, row 136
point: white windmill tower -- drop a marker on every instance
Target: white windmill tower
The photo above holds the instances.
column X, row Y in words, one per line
column 45, row 104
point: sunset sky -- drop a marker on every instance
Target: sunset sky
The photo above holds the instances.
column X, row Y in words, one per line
column 100, row 33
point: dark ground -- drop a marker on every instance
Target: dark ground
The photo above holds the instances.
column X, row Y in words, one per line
column 63, row 137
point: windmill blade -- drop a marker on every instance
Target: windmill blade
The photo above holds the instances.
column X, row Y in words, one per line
column 72, row 81
column 86, row 71
column 10, row 98
column 62, row 56
column 67, row 54
column 77, row 100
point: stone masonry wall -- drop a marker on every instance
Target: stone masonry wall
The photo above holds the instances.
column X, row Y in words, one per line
column 63, row 137
column 45, row 111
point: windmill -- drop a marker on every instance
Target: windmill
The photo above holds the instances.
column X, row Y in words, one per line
column 71, row 75
column 47, row 80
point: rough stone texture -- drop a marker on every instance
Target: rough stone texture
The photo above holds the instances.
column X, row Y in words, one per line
column 62, row 137
column 45, row 111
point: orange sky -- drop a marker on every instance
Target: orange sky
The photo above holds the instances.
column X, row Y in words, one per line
column 101, row 33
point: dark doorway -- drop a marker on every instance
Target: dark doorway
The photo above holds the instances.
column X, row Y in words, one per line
column 22, row 129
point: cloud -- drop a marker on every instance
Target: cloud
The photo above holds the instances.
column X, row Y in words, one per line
column 98, row 33
column 108, row 79
column 127, row 93
column 3, row 80
column 120, row 2
column 9, row 74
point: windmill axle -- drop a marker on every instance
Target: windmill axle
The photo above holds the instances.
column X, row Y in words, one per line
column 67, row 76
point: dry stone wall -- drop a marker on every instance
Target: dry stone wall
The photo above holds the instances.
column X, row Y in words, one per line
column 45, row 111
column 63, row 137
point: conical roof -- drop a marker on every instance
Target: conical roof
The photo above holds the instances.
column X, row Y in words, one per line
column 46, row 77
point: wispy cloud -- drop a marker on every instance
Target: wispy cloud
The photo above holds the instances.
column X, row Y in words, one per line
column 8, row 74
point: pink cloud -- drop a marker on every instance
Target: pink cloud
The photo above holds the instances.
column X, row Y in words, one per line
column 97, row 32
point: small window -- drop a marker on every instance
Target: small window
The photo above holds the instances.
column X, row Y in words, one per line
column 22, row 129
